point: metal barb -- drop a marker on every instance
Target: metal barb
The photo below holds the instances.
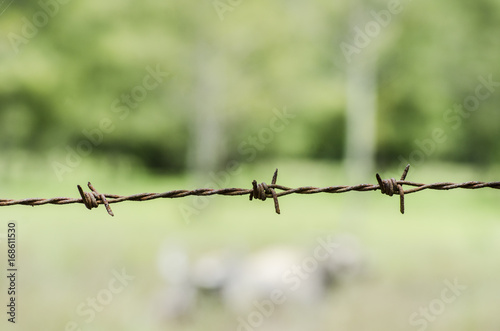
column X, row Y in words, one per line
column 89, row 199
column 262, row 190
column 391, row 186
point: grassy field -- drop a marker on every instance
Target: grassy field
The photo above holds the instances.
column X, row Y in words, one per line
column 67, row 254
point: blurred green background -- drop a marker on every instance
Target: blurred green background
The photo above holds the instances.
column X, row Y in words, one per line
column 150, row 97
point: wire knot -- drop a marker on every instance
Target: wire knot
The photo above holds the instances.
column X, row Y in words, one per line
column 92, row 199
column 391, row 187
column 262, row 191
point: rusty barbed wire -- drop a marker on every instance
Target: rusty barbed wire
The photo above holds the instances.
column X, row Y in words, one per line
column 260, row 191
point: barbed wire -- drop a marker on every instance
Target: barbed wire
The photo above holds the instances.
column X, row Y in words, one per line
column 260, row 191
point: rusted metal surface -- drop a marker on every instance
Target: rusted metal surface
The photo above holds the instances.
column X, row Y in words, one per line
column 258, row 191
column 391, row 186
column 262, row 190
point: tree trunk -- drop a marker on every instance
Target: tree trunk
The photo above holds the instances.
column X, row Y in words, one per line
column 361, row 108
column 206, row 148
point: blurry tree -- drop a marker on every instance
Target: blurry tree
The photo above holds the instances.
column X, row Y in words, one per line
column 227, row 72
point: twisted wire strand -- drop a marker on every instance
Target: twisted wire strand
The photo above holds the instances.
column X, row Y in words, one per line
column 258, row 191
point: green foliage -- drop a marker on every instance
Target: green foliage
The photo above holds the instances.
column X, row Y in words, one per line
column 244, row 62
